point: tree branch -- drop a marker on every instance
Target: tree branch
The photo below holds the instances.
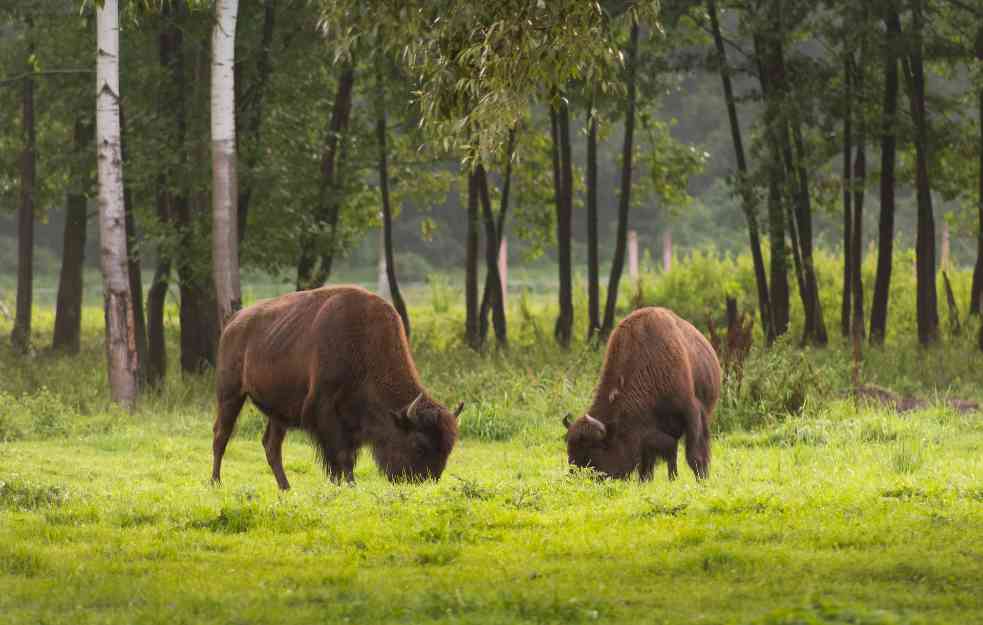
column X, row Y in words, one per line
column 50, row 72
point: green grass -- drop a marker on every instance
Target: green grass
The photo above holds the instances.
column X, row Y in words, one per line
column 826, row 514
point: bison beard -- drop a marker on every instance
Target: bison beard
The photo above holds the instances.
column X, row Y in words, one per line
column 335, row 363
column 660, row 381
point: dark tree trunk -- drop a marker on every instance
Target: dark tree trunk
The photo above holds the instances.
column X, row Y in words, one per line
column 171, row 57
column 310, row 274
column 976, row 295
column 251, row 117
column 491, row 260
column 198, row 309
column 593, row 266
column 847, row 305
column 927, row 299
column 133, row 259
column 796, row 249
column 818, row 334
column 21, row 335
column 747, row 197
column 560, row 120
column 472, row 333
column 387, row 218
column 800, row 203
column 499, row 235
column 68, row 310
column 779, row 256
column 764, row 50
column 859, row 187
column 624, row 200
column 885, row 242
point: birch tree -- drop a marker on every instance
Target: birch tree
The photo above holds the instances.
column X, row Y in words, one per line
column 120, row 337
column 225, row 238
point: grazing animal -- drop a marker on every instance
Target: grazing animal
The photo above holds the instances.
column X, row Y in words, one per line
column 334, row 362
column 660, row 381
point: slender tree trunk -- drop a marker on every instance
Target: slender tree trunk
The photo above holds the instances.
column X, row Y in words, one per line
column 797, row 267
column 976, row 294
column 624, row 200
column 747, row 197
column 764, row 50
column 472, row 333
column 133, row 268
column 21, row 335
column 387, row 220
column 492, row 243
column 68, row 310
column 309, row 275
column 251, row 117
column 198, row 310
column 885, row 250
column 779, row 255
column 800, row 200
column 560, row 124
column 859, row 186
column 486, row 302
column 927, row 300
column 225, row 183
column 170, row 101
column 847, row 304
column 819, row 335
column 120, row 340
column 593, row 264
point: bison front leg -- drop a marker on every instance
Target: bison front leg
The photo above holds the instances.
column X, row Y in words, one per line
column 697, row 443
column 337, row 452
column 658, row 445
column 273, row 444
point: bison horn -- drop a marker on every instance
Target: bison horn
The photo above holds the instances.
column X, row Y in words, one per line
column 457, row 411
column 597, row 424
column 566, row 420
column 411, row 409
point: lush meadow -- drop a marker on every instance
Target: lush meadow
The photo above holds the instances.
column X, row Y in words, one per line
column 817, row 510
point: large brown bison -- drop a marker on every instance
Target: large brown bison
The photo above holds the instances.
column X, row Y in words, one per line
column 334, row 362
column 660, row 381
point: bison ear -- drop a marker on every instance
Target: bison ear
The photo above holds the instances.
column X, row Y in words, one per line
column 566, row 421
column 457, row 411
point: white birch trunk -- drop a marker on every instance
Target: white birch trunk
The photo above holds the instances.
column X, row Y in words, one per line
column 633, row 255
column 121, row 349
column 667, row 250
column 225, row 185
column 382, row 279
column 503, row 270
column 944, row 264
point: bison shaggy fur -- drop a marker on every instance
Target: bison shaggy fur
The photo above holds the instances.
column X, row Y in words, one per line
column 335, row 363
column 660, row 381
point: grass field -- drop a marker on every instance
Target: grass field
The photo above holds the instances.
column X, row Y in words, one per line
column 829, row 513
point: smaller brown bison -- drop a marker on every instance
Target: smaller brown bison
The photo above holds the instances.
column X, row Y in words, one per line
column 334, row 362
column 660, row 381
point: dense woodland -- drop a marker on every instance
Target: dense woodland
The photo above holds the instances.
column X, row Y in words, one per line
column 281, row 136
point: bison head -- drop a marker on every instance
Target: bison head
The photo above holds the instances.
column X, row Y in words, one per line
column 419, row 444
column 600, row 446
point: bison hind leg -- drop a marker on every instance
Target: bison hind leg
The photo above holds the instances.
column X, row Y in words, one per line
column 229, row 405
column 273, row 445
